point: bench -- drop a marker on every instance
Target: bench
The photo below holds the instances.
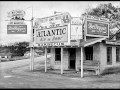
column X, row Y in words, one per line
column 91, row 65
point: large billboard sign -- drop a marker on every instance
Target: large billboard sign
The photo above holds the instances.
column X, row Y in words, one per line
column 16, row 24
column 97, row 28
column 53, row 29
column 52, row 35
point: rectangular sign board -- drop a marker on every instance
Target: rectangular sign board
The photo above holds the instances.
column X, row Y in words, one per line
column 55, row 35
column 97, row 28
column 76, row 28
column 16, row 29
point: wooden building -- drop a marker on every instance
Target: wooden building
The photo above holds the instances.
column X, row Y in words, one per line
column 92, row 49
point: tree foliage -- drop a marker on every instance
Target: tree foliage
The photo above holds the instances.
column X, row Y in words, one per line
column 19, row 49
column 108, row 11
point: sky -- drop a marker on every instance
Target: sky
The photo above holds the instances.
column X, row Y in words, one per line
column 41, row 9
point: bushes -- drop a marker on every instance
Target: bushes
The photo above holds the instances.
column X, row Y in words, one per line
column 111, row 70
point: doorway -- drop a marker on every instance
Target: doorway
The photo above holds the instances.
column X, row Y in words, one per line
column 72, row 58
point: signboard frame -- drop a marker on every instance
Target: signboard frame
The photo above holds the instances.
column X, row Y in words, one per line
column 96, row 21
column 64, row 20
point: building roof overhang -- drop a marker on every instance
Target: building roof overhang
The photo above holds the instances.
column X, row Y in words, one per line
column 89, row 42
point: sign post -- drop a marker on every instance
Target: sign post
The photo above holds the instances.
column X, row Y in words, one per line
column 32, row 45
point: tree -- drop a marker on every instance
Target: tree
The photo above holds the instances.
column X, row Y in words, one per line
column 19, row 49
column 108, row 11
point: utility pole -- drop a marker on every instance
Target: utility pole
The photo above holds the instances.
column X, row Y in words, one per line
column 32, row 45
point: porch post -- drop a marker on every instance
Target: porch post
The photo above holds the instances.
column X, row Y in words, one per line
column 45, row 59
column 81, row 62
column 61, row 60
column 31, row 58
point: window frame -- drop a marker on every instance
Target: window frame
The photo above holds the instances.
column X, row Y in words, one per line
column 109, row 55
column 117, row 54
column 57, row 54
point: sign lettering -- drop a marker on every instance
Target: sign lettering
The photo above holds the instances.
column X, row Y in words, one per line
column 58, row 34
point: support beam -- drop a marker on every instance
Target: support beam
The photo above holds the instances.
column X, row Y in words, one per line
column 81, row 62
column 45, row 59
column 31, row 59
column 61, row 60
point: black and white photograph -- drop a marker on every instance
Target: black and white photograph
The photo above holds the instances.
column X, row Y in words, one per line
column 59, row 44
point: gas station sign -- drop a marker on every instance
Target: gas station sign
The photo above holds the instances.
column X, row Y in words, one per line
column 53, row 29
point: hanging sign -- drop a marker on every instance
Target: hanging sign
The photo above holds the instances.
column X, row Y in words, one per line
column 97, row 28
column 16, row 24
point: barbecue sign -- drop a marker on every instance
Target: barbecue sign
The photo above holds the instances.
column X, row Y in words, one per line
column 16, row 24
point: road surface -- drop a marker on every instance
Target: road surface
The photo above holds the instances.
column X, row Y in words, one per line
column 22, row 79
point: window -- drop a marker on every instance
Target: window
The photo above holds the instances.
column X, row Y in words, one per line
column 109, row 55
column 117, row 54
column 89, row 53
column 57, row 54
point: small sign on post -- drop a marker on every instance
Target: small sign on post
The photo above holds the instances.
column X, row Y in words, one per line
column 16, row 24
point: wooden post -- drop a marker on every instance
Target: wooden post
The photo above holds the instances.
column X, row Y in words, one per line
column 81, row 62
column 61, row 60
column 31, row 59
column 45, row 59
column 32, row 46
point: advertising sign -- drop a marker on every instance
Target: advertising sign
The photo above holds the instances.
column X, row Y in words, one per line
column 76, row 28
column 52, row 21
column 16, row 29
column 50, row 31
column 16, row 24
column 97, row 28
column 52, row 35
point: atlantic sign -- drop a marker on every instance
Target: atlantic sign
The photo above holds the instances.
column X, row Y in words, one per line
column 52, row 35
column 97, row 28
column 53, row 29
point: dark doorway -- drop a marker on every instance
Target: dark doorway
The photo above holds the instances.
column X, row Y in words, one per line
column 89, row 53
column 72, row 57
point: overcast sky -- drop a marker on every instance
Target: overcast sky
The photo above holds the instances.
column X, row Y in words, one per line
column 40, row 9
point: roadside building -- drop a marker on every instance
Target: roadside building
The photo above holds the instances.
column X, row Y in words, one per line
column 82, row 46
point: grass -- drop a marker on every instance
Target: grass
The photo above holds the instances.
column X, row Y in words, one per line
column 111, row 70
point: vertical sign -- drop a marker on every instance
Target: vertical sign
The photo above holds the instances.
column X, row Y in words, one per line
column 76, row 28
